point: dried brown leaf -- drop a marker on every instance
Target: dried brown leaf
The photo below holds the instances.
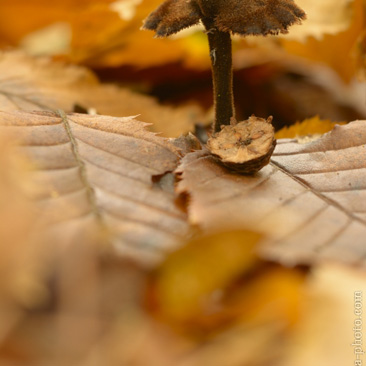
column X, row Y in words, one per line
column 39, row 84
column 96, row 171
column 310, row 200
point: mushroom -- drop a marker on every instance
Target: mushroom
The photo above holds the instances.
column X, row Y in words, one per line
column 221, row 18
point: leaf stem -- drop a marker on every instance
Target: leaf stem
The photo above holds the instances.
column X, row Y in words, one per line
column 222, row 74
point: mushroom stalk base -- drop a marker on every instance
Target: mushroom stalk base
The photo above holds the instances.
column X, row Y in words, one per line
column 222, row 74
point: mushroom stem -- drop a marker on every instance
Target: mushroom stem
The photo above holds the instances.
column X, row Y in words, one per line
column 222, row 74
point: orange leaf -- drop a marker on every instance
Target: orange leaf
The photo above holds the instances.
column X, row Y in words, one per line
column 337, row 51
column 311, row 126
column 187, row 280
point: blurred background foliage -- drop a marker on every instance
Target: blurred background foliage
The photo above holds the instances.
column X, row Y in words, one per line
column 314, row 70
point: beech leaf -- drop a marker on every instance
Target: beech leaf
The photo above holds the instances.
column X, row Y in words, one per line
column 310, row 200
column 96, row 171
column 111, row 173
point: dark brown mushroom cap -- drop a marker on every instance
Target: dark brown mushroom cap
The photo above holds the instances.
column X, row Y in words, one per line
column 172, row 16
column 244, row 17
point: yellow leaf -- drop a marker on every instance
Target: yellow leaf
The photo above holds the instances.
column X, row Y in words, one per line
column 218, row 278
column 104, row 32
column 275, row 294
column 310, row 126
column 187, row 282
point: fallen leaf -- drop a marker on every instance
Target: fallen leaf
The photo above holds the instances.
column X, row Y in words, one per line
column 328, row 39
column 218, row 279
column 325, row 17
column 39, row 84
column 335, row 50
column 309, row 200
column 310, row 126
column 187, row 281
column 104, row 33
column 268, row 301
column 96, row 171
